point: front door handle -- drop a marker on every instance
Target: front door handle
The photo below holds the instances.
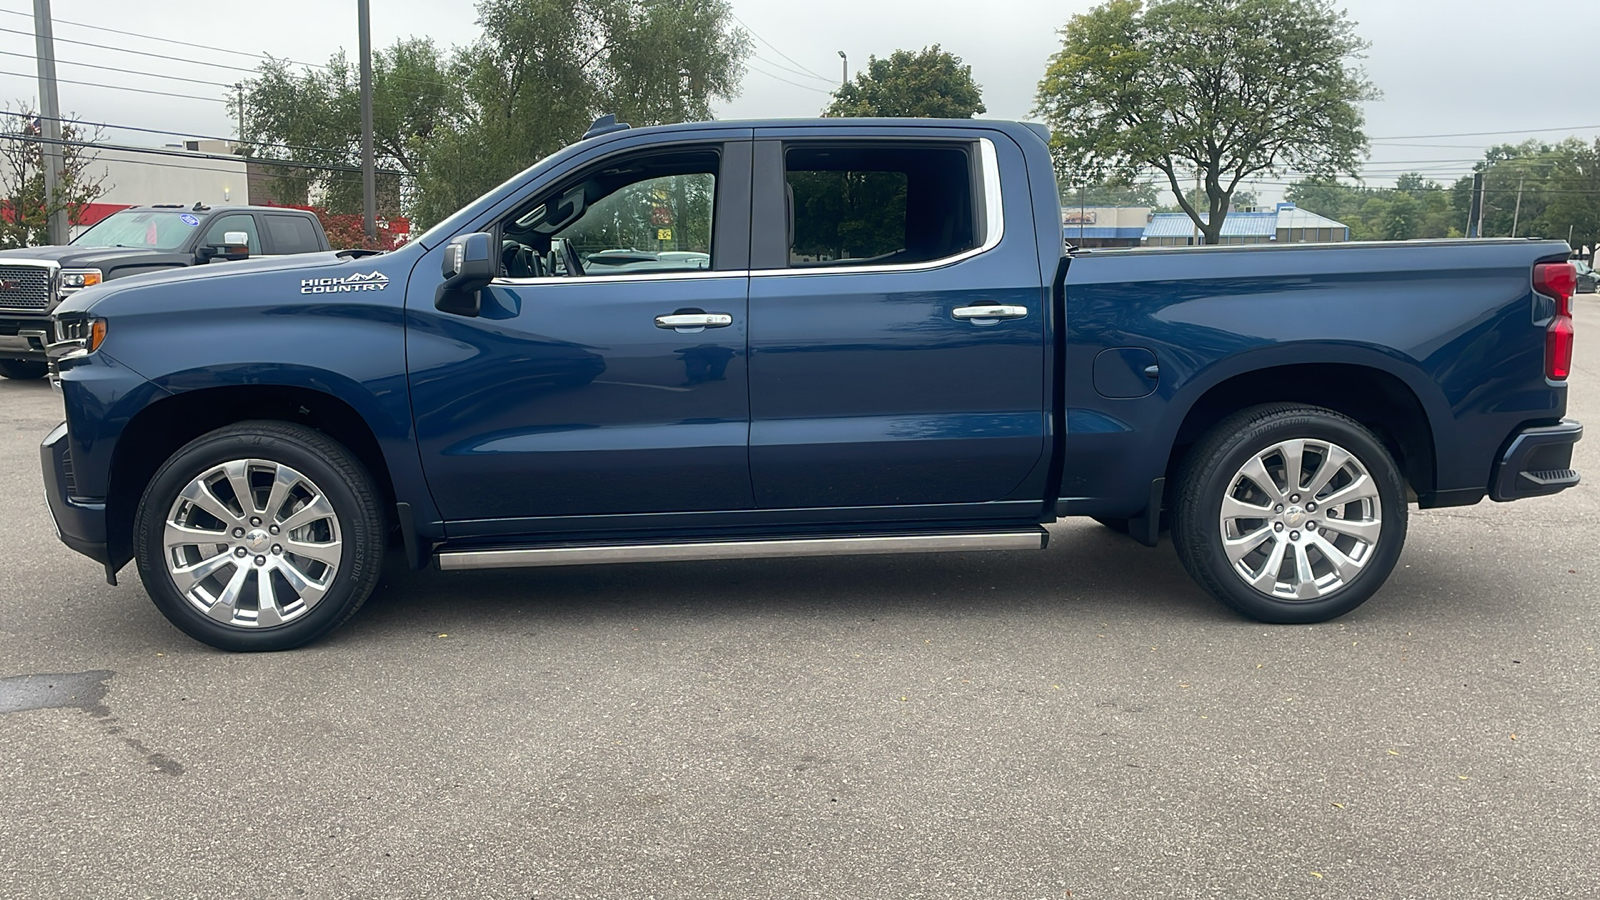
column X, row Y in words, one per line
column 691, row 323
column 988, row 315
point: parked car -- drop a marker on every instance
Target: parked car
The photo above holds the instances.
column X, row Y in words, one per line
column 1588, row 278
column 132, row 241
column 923, row 369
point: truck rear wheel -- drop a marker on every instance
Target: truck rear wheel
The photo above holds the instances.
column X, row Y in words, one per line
column 22, row 370
column 259, row 536
column 1290, row 514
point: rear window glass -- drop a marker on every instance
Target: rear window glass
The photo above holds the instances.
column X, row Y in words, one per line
column 292, row 234
column 852, row 206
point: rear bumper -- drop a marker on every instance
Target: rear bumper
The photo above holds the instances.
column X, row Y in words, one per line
column 1537, row 462
column 81, row 524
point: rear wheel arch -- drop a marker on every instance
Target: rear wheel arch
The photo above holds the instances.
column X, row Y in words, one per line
column 1375, row 397
column 159, row 430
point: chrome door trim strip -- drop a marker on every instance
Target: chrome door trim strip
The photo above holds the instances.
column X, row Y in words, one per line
column 455, row 560
column 609, row 279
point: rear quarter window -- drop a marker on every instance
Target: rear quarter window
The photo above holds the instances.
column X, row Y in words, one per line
column 292, row 234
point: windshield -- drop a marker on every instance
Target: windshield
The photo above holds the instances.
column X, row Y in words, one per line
column 149, row 228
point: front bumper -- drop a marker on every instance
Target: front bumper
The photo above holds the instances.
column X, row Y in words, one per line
column 81, row 524
column 23, row 340
column 1537, row 462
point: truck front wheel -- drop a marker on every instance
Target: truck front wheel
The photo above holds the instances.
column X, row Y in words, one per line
column 1290, row 514
column 259, row 536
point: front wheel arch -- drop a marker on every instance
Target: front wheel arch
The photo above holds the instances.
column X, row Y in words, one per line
column 160, row 429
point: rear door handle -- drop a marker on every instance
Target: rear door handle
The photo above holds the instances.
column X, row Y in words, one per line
column 988, row 315
column 690, row 323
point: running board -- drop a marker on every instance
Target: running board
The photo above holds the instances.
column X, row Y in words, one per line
column 592, row 554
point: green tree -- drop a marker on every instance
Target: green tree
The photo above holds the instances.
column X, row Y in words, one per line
column 543, row 70
column 1229, row 88
column 458, row 122
column 1558, row 186
column 313, row 117
column 1573, row 208
column 928, row 84
column 24, row 213
column 1414, row 208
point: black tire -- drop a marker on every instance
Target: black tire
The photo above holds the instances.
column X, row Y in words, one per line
column 1209, row 471
column 335, row 472
column 23, row 370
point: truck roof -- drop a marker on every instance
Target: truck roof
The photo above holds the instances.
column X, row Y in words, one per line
column 221, row 207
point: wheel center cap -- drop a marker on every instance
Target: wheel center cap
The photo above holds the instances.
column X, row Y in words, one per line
column 1293, row 516
column 257, row 541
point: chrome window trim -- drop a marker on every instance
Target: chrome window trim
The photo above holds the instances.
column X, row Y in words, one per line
column 994, row 229
column 620, row 277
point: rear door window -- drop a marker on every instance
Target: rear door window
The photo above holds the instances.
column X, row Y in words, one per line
column 878, row 205
column 292, row 234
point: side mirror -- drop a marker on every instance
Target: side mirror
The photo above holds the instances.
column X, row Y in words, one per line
column 468, row 267
column 235, row 245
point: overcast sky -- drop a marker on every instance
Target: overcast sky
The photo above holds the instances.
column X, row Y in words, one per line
column 1528, row 69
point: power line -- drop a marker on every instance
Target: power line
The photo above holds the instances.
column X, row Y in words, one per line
column 68, row 62
column 787, row 81
column 118, row 87
column 161, row 56
column 267, row 57
column 775, row 47
column 1407, row 137
column 166, row 40
column 790, row 70
column 188, row 154
column 186, row 134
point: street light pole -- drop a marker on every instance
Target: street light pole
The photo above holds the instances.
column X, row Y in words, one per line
column 369, row 180
column 844, row 62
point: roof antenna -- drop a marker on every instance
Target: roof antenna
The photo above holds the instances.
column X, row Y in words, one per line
column 605, row 125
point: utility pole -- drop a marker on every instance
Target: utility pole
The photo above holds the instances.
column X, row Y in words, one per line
column 59, row 229
column 240, row 88
column 369, row 179
column 1516, row 216
column 1475, row 212
column 844, row 62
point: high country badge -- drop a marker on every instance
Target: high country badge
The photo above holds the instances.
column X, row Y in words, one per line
column 374, row 281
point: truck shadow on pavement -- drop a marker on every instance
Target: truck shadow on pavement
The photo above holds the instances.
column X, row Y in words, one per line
column 1088, row 572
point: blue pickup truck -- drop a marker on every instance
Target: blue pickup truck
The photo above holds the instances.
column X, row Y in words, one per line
column 786, row 338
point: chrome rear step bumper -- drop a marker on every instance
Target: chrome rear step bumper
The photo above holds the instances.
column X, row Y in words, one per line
column 593, row 554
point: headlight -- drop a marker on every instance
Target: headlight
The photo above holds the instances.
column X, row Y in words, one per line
column 77, row 336
column 78, row 279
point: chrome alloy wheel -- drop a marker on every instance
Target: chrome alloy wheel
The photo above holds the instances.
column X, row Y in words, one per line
column 252, row 543
column 1301, row 519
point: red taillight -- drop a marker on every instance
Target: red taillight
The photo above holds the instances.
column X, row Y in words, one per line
column 1558, row 348
column 1559, row 281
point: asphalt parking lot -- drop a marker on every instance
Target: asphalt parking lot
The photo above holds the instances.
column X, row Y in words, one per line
column 1078, row 723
